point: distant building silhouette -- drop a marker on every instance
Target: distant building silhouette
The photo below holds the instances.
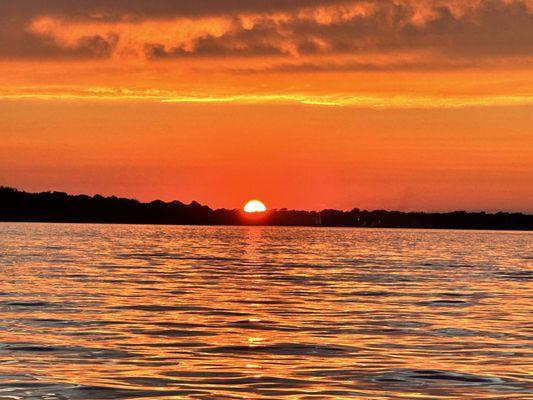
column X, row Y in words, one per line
column 318, row 219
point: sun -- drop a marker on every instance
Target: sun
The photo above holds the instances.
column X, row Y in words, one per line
column 254, row 206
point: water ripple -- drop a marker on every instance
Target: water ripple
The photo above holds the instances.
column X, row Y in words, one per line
column 122, row 312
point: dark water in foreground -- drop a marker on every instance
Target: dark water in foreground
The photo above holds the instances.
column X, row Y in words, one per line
column 118, row 312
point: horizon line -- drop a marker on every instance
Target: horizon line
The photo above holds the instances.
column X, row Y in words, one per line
column 282, row 209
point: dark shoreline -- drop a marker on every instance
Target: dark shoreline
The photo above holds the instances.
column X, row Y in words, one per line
column 57, row 207
column 261, row 225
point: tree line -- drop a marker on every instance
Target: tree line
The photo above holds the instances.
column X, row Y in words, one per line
column 20, row 206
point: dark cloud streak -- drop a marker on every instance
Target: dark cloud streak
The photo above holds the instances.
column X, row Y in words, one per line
column 112, row 10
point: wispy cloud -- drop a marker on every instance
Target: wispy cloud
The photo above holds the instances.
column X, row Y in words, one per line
column 333, row 100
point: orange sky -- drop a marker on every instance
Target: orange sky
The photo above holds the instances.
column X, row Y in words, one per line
column 398, row 104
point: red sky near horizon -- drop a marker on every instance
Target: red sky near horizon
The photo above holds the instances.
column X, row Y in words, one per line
column 397, row 104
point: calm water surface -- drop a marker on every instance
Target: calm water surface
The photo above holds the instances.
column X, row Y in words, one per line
column 119, row 312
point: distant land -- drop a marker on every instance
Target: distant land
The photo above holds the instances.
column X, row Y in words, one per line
column 20, row 206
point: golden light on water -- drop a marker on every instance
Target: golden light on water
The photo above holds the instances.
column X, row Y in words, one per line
column 255, row 206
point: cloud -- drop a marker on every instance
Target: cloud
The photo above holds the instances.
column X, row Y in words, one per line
column 295, row 35
column 19, row 41
column 492, row 29
column 260, row 40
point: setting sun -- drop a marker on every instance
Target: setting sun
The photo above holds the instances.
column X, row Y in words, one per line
column 254, row 206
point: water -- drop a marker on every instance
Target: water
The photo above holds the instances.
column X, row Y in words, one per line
column 119, row 312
